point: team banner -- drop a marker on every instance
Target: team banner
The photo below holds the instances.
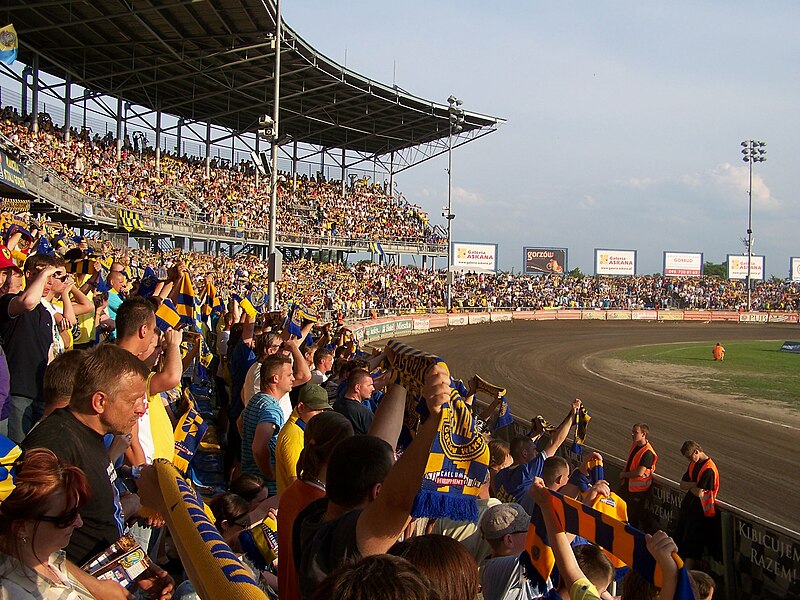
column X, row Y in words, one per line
column 12, row 178
column 737, row 267
column 614, row 262
column 680, row 264
column 474, row 257
column 544, row 261
column 794, row 268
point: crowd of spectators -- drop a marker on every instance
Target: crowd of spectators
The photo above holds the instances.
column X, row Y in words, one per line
column 224, row 195
column 355, row 290
column 312, row 425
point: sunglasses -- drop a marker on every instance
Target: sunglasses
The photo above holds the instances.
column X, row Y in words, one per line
column 241, row 520
column 61, row 521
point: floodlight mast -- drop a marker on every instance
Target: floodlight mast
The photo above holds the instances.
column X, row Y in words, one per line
column 753, row 151
column 456, row 117
column 273, row 201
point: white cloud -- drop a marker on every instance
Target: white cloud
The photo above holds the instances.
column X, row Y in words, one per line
column 737, row 178
column 588, row 202
column 722, row 184
column 471, row 199
column 639, row 184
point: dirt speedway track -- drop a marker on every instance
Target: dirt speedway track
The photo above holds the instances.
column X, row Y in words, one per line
column 545, row 364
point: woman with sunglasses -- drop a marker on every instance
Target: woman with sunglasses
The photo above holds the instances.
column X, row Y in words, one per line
column 36, row 521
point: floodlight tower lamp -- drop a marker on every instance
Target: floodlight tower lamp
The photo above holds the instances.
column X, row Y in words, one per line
column 752, row 151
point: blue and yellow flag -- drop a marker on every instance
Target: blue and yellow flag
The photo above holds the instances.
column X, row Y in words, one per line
column 148, row 283
column 258, row 298
column 18, row 224
column 617, row 537
column 186, row 302
column 459, row 458
column 495, row 392
column 504, row 416
column 82, row 266
column 212, row 302
column 9, row 44
column 167, row 317
column 376, row 248
column 9, row 454
column 189, row 433
column 582, row 419
column 260, row 543
column 129, row 220
column 298, row 315
column 247, row 307
column 44, row 247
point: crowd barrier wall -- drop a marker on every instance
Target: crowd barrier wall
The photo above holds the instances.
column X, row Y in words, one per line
column 500, row 316
column 760, row 559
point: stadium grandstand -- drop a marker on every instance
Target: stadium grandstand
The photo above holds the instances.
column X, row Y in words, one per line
column 206, row 70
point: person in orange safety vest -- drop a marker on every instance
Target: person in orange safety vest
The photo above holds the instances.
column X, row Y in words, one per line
column 637, row 478
column 718, row 352
column 698, row 527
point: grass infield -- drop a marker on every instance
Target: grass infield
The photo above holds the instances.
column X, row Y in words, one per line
column 754, row 369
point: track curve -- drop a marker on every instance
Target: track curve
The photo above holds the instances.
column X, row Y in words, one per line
column 543, row 366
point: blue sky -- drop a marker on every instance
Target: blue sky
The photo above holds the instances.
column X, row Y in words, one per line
column 624, row 118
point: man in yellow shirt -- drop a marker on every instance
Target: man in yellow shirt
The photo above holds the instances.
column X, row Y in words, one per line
column 313, row 400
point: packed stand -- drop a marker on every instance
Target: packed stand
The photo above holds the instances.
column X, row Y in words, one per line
column 228, row 196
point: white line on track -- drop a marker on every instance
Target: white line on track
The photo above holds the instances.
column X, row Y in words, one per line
column 654, row 393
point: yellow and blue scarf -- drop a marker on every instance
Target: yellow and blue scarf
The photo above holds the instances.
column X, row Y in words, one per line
column 582, row 419
column 616, row 537
column 504, row 416
column 9, row 455
column 213, row 569
column 260, row 543
column 459, row 460
column 188, row 434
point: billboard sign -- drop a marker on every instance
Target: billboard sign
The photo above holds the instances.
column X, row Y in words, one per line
column 544, row 261
column 794, row 268
column 680, row 264
column 12, row 178
column 737, row 267
column 614, row 262
column 473, row 257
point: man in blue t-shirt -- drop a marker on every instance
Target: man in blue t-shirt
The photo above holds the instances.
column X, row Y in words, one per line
column 512, row 483
column 263, row 418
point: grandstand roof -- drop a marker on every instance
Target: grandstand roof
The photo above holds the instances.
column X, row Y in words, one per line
column 213, row 61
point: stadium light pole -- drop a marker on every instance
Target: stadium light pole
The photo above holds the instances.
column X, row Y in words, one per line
column 273, row 200
column 753, row 151
column 456, row 116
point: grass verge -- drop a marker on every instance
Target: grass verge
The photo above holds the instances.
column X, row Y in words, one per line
column 754, row 369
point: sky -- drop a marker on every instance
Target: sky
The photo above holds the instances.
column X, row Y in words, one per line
column 624, row 118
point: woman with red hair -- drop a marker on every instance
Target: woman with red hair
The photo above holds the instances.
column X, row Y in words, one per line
column 36, row 521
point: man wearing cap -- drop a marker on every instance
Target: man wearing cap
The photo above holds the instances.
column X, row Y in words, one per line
column 504, row 527
column 312, row 401
column 26, row 328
